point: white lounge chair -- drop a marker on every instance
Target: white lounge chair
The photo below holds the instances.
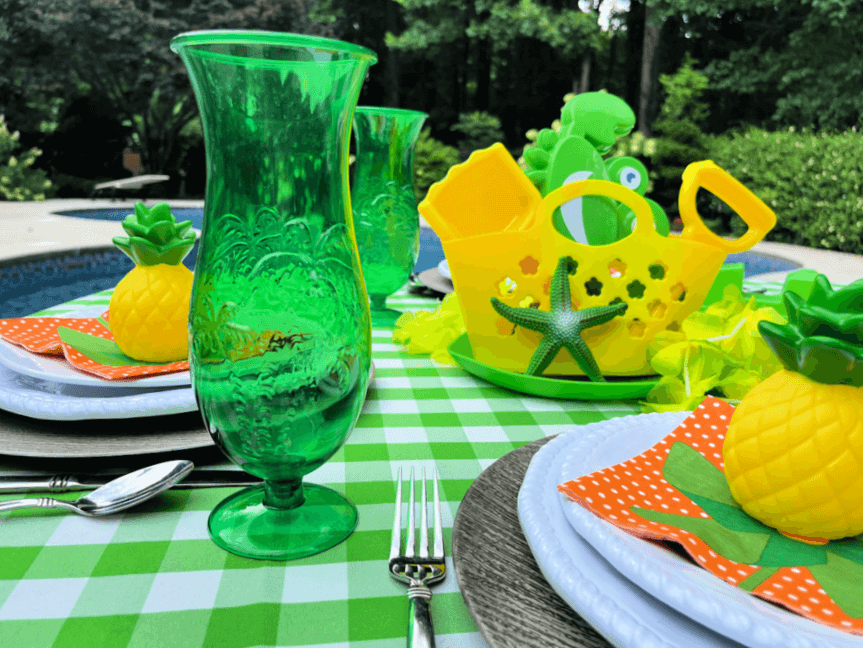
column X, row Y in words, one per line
column 135, row 182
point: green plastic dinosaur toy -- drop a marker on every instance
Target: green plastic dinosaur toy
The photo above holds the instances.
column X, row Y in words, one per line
column 590, row 124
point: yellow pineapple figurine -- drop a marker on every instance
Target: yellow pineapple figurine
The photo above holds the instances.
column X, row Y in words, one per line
column 149, row 310
column 794, row 447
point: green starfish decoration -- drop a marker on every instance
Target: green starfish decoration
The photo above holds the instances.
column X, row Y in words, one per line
column 562, row 326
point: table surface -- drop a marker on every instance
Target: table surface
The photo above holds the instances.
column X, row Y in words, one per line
column 152, row 576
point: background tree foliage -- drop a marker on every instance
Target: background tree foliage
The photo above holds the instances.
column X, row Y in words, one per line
column 83, row 79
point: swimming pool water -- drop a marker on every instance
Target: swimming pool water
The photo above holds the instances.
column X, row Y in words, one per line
column 47, row 280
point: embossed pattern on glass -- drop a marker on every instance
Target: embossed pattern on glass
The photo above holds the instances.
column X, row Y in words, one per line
column 280, row 339
column 385, row 209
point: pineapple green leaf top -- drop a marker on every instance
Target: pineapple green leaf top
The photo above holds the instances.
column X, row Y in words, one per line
column 823, row 339
column 155, row 236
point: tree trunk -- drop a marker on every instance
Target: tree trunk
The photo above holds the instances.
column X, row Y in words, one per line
column 392, row 90
column 635, row 48
column 584, row 84
column 648, row 54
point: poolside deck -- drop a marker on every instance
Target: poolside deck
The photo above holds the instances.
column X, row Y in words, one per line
column 35, row 227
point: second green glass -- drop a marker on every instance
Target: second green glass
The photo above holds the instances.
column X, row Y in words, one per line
column 385, row 209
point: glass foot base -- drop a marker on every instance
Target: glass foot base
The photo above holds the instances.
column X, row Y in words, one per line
column 385, row 318
column 242, row 524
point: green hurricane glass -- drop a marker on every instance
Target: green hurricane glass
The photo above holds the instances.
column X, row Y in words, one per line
column 385, row 208
column 279, row 325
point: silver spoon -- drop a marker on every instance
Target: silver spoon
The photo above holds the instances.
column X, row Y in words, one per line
column 117, row 495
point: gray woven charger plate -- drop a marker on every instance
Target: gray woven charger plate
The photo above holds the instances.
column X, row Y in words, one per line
column 21, row 436
column 506, row 594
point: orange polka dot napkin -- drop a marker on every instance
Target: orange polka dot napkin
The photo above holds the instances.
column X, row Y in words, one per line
column 676, row 491
column 85, row 342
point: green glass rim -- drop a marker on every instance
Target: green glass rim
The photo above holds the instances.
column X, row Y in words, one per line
column 389, row 112
column 252, row 37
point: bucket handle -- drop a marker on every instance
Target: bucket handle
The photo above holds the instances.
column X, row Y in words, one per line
column 643, row 214
column 758, row 217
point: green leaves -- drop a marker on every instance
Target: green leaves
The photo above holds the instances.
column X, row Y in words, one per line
column 105, row 352
column 731, row 533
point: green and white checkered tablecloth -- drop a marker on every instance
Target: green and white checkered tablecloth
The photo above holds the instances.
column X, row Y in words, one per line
column 152, row 578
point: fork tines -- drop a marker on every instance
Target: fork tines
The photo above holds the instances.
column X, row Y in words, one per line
column 410, row 550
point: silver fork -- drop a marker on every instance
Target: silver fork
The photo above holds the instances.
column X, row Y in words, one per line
column 418, row 571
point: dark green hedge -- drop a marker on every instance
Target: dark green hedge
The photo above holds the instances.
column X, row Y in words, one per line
column 814, row 183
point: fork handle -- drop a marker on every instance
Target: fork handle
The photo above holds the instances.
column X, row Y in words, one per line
column 420, row 631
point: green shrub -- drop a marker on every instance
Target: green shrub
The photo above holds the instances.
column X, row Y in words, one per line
column 679, row 138
column 478, row 130
column 814, row 183
column 432, row 160
column 18, row 181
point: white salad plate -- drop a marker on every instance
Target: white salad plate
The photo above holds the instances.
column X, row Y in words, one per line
column 443, row 268
column 56, row 369
column 620, row 611
column 646, row 567
column 57, row 401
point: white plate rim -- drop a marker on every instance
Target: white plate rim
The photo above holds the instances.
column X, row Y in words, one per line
column 57, row 369
column 33, row 402
column 619, row 610
column 682, row 585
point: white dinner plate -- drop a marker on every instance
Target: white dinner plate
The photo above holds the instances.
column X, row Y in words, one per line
column 57, row 401
column 56, row 369
column 443, row 268
column 680, row 584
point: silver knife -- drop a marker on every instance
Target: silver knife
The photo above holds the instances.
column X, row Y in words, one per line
column 61, row 483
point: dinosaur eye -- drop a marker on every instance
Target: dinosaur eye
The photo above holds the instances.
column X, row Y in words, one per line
column 630, row 178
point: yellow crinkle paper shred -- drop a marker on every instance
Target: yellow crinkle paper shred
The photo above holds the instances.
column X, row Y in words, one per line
column 431, row 333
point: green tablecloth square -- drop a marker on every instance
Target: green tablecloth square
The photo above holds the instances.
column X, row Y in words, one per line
column 375, row 517
column 514, row 418
column 373, row 421
column 71, row 561
column 262, row 585
column 32, row 632
column 444, row 434
column 368, row 545
column 452, row 450
column 425, row 372
column 438, row 406
column 204, row 499
column 454, row 490
column 175, row 629
column 366, row 436
column 450, row 614
column 439, row 419
column 492, row 449
column 87, row 632
column 371, row 579
column 410, row 452
column 130, row 558
column 148, row 526
column 238, row 627
column 401, row 420
column 366, row 452
column 429, row 393
column 113, row 596
column 15, row 561
column 368, row 471
column 477, row 419
column 380, row 617
column 302, row 624
column 519, row 434
column 361, row 493
column 193, row 555
column 391, row 393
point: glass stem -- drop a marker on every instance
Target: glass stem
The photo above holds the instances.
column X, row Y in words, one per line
column 379, row 302
column 283, row 494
